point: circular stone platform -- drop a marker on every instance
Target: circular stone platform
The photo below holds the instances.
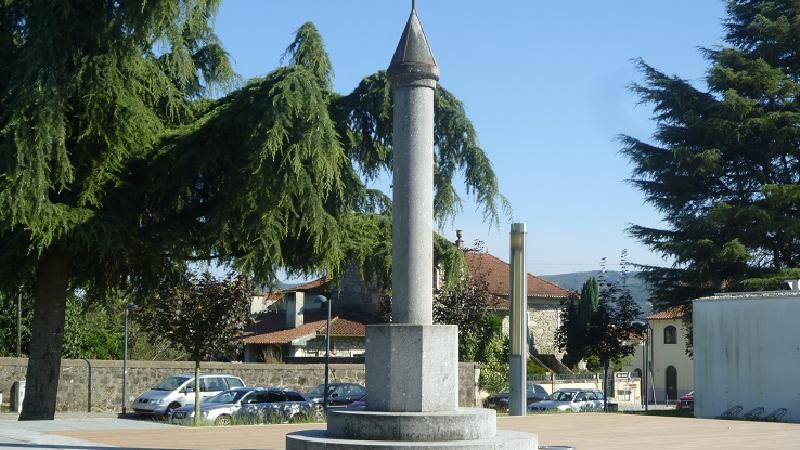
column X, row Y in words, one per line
column 461, row 424
column 319, row 439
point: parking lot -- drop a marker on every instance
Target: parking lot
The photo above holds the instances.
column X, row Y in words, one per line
column 584, row 431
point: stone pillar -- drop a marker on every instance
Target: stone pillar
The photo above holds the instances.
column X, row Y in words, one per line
column 413, row 74
column 412, row 365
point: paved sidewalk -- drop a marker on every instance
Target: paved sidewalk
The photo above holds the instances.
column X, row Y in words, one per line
column 54, row 434
column 585, row 431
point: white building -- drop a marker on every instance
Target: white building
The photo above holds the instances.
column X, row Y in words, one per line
column 672, row 370
column 747, row 353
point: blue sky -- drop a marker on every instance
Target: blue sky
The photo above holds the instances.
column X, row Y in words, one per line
column 545, row 84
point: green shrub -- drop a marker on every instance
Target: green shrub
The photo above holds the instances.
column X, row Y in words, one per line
column 535, row 368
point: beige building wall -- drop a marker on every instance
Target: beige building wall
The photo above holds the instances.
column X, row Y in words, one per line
column 666, row 355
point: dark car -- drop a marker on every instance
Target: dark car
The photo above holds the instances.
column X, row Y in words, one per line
column 536, row 393
column 339, row 394
column 360, row 403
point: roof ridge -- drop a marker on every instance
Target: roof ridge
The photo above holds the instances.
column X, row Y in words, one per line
column 552, row 283
column 526, row 272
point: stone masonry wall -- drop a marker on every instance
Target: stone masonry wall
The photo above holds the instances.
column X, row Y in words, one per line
column 543, row 322
column 106, row 378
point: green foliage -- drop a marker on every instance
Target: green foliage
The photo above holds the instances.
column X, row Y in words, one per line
column 572, row 334
column 494, row 364
column 480, row 333
column 365, row 119
column 774, row 282
column 535, row 368
column 8, row 323
column 84, row 94
column 601, row 339
column 145, row 346
column 93, row 331
column 589, row 302
column 465, row 305
column 613, row 324
column 722, row 167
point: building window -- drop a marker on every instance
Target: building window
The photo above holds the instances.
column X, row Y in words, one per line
column 669, row 335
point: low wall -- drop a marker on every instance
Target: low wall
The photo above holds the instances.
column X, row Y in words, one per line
column 104, row 392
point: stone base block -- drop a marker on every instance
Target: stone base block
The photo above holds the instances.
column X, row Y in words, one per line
column 458, row 425
column 318, row 439
column 412, row 368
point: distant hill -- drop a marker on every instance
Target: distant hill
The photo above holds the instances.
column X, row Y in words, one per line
column 639, row 289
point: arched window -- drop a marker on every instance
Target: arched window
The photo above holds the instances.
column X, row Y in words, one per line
column 672, row 382
column 669, row 335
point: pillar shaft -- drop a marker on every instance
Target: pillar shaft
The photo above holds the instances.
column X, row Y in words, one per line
column 412, row 197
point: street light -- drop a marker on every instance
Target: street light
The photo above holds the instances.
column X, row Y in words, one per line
column 328, row 302
column 518, row 346
column 19, row 323
column 128, row 307
column 646, row 330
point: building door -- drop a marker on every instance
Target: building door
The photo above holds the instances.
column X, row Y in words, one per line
column 672, row 383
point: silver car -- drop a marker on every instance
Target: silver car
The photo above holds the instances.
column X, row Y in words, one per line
column 246, row 405
column 570, row 399
column 178, row 390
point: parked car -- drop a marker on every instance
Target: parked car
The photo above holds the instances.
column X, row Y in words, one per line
column 339, row 394
column 246, row 405
column 178, row 390
column 360, row 403
column 686, row 402
column 570, row 400
column 535, row 394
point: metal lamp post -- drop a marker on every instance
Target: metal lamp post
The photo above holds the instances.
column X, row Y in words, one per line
column 128, row 308
column 19, row 323
column 327, row 353
column 518, row 281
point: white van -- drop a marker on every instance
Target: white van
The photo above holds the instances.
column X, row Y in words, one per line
column 178, row 390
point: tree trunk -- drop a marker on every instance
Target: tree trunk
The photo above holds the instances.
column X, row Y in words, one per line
column 197, row 390
column 47, row 337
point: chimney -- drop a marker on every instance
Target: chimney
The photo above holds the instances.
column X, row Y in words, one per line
column 293, row 301
column 459, row 240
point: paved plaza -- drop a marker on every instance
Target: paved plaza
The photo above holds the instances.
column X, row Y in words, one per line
column 586, row 431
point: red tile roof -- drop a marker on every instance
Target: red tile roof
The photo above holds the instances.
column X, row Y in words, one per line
column 272, row 329
column 319, row 283
column 675, row 312
column 495, row 271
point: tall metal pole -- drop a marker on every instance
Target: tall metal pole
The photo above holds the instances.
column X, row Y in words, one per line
column 128, row 307
column 125, row 366
column 19, row 323
column 518, row 293
column 647, row 369
column 643, row 380
column 327, row 353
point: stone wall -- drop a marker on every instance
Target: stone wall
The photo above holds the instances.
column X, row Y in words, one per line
column 105, row 389
column 543, row 322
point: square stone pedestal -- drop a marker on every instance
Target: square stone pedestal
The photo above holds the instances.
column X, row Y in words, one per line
column 412, row 400
column 412, row 368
